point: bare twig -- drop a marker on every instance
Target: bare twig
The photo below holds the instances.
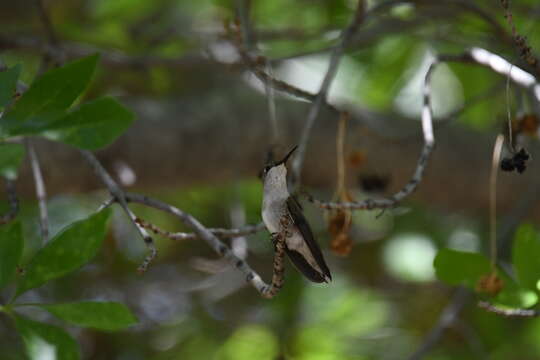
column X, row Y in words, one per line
column 429, row 143
column 508, row 115
column 493, row 200
column 525, row 51
column 40, row 190
column 219, row 232
column 106, row 204
column 271, row 106
column 500, row 65
column 340, row 153
column 321, row 96
column 47, row 25
column 119, row 195
column 254, row 65
column 219, row 247
column 13, row 202
column 475, row 55
column 508, row 312
column 243, row 8
column 237, row 215
column 111, row 58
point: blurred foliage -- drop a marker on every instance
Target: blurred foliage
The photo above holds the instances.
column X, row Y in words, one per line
column 384, row 298
column 65, row 253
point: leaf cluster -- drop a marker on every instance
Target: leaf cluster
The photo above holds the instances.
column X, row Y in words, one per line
column 515, row 287
column 46, row 109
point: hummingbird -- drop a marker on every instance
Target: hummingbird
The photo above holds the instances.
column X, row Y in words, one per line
column 300, row 245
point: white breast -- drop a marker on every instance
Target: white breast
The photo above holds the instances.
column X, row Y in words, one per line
column 271, row 213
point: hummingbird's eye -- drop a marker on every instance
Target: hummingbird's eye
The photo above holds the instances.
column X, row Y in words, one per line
column 263, row 172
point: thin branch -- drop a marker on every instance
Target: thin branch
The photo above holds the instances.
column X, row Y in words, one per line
column 40, row 190
column 205, row 234
column 340, row 153
column 509, row 116
column 243, row 8
column 525, row 51
column 500, row 65
column 106, row 204
column 508, row 312
column 219, row 232
column 493, row 199
column 47, row 24
column 119, row 195
column 13, row 202
column 429, row 144
column 237, row 215
column 321, row 96
column 112, row 58
column 270, row 95
column 254, row 64
column 474, row 55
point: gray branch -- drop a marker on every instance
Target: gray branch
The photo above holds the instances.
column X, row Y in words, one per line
column 508, row 312
column 321, row 96
column 212, row 240
column 429, row 144
column 219, row 232
column 119, row 195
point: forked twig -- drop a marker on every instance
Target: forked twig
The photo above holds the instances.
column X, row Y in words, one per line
column 219, row 232
column 205, row 234
column 119, row 195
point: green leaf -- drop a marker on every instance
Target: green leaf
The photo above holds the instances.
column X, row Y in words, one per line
column 49, row 96
column 8, row 84
column 69, row 250
column 94, row 125
column 44, row 341
column 513, row 295
column 460, row 268
column 465, row 268
column 98, row 315
column 11, row 247
column 526, row 256
column 11, row 156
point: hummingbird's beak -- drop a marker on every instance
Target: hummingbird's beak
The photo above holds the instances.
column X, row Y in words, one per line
column 287, row 156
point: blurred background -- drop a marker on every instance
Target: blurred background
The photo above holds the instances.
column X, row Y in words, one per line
column 200, row 140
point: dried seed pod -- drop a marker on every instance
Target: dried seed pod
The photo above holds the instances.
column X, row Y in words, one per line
column 490, row 284
column 341, row 244
column 339, row 225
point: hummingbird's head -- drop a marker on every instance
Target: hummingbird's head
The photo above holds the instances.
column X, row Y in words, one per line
column 276, row 171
